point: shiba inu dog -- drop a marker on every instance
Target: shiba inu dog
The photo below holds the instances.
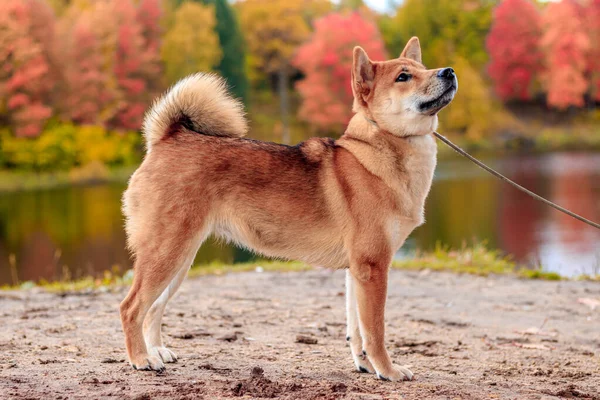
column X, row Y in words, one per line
column 347, row 203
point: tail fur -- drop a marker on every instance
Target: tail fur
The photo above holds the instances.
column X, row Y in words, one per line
column 200, row 103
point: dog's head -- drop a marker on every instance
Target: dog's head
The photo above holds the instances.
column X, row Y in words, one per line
column 401, row 96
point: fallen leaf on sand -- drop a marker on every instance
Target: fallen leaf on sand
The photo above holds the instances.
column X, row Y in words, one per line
column 591, row 303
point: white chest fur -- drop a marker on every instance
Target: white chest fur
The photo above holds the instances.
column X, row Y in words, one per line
column 418, row 167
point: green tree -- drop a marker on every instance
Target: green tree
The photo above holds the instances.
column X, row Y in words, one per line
column 233, row 62
column 191, row 44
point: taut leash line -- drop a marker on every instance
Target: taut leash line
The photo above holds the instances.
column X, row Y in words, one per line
column 514, row 184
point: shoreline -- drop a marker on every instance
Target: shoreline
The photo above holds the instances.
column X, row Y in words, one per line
column 476, row 261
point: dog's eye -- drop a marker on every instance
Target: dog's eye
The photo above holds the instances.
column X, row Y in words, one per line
column 403, row 77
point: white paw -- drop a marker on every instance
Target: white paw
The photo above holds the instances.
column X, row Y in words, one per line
column 397, row 373
column 149, row 363
column 362, row 363
column 163, row 354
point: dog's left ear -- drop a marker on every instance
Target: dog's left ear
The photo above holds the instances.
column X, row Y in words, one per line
column 363, row 75
column 412, row 50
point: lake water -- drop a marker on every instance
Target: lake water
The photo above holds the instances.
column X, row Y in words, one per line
column 77, row 231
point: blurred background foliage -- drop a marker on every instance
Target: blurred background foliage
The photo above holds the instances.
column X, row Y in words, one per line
column 76, row 76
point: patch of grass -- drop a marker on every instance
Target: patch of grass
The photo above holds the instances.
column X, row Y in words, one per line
column 476, row 260
column 217, row 268
column 539, row 274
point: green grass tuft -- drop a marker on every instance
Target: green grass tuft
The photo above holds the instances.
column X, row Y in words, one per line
column 476, row 260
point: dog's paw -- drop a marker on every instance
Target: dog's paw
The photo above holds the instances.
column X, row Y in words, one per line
column 149, row 363
column 397, row 373
column 362, row 363
column 162, row 353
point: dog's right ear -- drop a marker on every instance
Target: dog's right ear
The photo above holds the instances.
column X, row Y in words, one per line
column 412, row 50
column 363, row 75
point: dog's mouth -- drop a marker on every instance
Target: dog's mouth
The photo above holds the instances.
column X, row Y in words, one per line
column 434, row 106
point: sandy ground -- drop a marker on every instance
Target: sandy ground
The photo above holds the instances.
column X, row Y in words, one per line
column 235, row 335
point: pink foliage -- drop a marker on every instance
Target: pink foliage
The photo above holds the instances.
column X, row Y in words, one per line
column 326, row 60
column 566, row 44
column 26, row 36
column 130, row 60
column 88, row 94
column 137, row 66
column 514, row 48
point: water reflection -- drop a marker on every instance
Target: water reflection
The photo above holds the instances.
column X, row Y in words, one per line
column 77, row 231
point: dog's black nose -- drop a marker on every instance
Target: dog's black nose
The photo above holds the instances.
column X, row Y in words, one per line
column 446, row 73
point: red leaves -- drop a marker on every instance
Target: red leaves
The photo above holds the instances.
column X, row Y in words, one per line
column 326, row 60
column 566, row 45
column 513, row 44
column 559, row 46
column 111, row 63
column 25, row 27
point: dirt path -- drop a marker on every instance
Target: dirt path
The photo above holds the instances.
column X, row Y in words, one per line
column 458, row 334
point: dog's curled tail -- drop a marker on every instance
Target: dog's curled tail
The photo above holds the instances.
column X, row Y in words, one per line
column 200, row 103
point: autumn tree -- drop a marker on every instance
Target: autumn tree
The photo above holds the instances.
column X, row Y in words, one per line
column 473, row 112
column 326, row 61
column 149, row 15
column 592, row 20
column 112, row 61
column 446, row 28
column 87, row 92
column 191, row 44
column 25, row 65
column 513, row 45
column 273, row 30
column 566, row 46
column 134, row 67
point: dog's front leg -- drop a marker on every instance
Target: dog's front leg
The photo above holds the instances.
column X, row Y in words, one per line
column 353, row 336
column 371, row 293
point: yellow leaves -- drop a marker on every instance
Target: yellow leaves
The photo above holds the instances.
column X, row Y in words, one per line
column 64, row 146
column 191, row 44
column 274, row 28
column 473, row 110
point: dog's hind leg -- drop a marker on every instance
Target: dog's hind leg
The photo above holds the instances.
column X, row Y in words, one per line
column 353, row 336
column 153, row 320
column 154, row 272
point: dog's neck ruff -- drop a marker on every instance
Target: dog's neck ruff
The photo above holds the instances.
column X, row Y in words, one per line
column 376, row 126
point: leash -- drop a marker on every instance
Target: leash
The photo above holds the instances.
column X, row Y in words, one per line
column 514, row 184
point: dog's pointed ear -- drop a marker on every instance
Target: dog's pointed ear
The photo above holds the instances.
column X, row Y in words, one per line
column 412, row 50
column 363, row 75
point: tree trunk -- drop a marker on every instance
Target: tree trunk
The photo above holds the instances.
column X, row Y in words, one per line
column 282, row 85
